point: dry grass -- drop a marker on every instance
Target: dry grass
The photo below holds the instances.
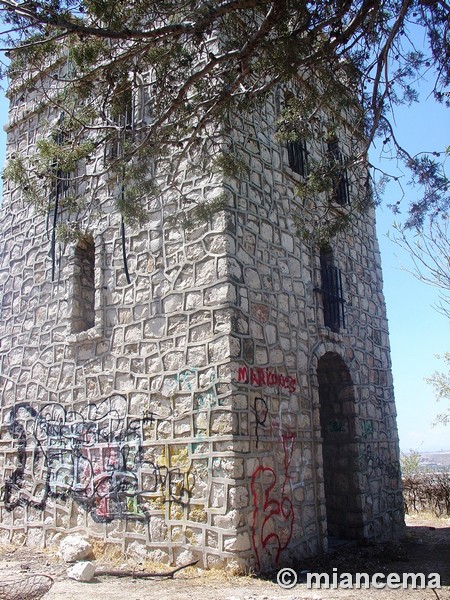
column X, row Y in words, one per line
column 112, row 556
column 107, row 553
column 428, row 515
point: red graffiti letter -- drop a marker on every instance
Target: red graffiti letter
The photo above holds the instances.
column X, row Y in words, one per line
column 243, row 374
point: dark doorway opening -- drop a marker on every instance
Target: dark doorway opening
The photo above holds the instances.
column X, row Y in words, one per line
column 340, row 448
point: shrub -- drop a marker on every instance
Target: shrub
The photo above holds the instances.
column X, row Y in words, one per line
column 427, row 492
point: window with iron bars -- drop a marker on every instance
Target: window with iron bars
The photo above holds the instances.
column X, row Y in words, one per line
column 63, row 187
column 332, row 292
column 341, row 187
column 298, row 157
column 122, row 116
column 64, row 180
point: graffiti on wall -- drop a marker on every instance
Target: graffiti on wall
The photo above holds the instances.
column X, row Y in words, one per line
column 273, row 512
column 94, row 456
column 261, row 413
column 367, row 427
column 378, row 463
column 266, row 377
column 270, row 486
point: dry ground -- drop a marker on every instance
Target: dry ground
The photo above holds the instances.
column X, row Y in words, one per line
column 426, row 548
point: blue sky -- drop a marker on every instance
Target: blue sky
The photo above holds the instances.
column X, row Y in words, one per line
column 417, row 334
column 417, row 331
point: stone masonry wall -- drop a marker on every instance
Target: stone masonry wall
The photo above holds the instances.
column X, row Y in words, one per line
column 296, row 441
column 189, row 422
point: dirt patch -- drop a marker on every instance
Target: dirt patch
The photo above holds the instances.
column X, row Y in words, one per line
column 425, row 549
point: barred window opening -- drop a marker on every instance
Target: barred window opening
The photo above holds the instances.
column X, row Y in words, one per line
column 64, row 180
column 122, row 116
column 332, row 292
column 61, row 191
column 341, row 186
column 298, row 157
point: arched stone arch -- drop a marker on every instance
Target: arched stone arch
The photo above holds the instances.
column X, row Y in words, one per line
column 337, row 407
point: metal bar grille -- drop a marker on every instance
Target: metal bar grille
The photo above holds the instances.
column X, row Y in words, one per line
column 341, row 187
column 64, row 183
column 333, row 297
column 298, row 157
column 124, row 120
column 342, row 192
column 62, row 187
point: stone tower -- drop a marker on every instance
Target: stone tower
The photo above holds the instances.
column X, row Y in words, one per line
column 227, row 398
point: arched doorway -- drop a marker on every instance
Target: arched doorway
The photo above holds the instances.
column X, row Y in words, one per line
column 340, row 448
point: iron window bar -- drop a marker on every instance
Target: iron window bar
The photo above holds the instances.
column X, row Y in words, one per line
column 333, row 297
column 62, row 186
column 298, row 157
column 341, row 186
column 124, row 120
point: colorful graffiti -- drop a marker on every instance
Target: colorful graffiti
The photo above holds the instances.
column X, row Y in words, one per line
column 94, row 456
column 273, row 512
column 203, row 398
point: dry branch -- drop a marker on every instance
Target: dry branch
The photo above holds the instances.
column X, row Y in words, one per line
column 141, row 574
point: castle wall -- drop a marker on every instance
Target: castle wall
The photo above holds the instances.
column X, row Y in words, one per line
column 187, row 421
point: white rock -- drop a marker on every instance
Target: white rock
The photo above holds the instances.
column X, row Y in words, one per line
column 184, row 558
column 240, row 543
column 81, row 571
column 74, row 547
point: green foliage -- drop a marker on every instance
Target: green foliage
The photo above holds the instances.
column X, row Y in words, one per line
column 319, row 230
column 206, row 210
column 203, row 61
column 230, row 165
column 201, row 213
column 87, row 52
column 39, row 50
column 410, row 463
column 69, row 233
column 66, row 158
column 16, row 171
column 132, row 207
column 441, row 384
